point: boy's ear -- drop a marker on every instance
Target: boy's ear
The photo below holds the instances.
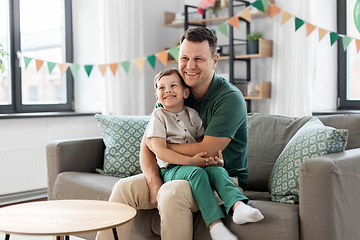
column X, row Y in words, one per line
column 186, row 93
column 157, row 99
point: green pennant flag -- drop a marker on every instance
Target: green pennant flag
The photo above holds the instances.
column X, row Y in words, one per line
column 346, row 41
column 214, row 31
column 74, row 68
column 265, row 3
column 51, row 66
column 126, row 66
column 298, row 23
column 259, row 5
column 88, row 69
column 152, row 59
column 174, row 52
column 334, row 37
column 27, row 60
column 223, row 28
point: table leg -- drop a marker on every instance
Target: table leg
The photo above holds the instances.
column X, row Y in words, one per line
column 67, row 237
column 7, row 236
column 115, row 234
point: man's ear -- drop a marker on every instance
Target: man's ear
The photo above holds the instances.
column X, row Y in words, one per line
column 215, row 59
column 186, row 93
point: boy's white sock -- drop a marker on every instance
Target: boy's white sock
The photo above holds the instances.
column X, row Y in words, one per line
column 220, row 232
column 244, row 213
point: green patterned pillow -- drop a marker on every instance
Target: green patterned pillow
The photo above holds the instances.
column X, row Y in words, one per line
column 122, row 137
column 311, row 140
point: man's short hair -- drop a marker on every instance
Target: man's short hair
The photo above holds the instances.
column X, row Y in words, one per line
column 200, row 34
column 168, row 72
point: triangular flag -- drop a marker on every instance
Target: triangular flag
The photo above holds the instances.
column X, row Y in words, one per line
column 174, row 52
column 51, row 66
column 357, row 42
column 63, row 67
column 139, row 63
column 322, row 33
column 223, row 28
column 259, row 5
column 113, row 67
column 38, row 63
column 346, row 41
column 74, row 69
column 103, row 68
column 246, row 14
column 333, row 37
column 285, row 16
column 88, row 69
column 126, row 66
column 152, row 60
column 163, row 57
column 234, row 21
column 298, row 23
column 27, row 60
column 265, row 3
column 274, row 10
column 309, row 28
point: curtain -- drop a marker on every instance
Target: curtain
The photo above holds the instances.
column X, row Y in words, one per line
column 304, row 70
column 123, row 40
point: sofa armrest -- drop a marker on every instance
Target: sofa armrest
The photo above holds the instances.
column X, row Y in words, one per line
column 79, row 155
column 329, row 189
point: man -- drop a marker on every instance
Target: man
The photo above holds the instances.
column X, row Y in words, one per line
column 222, row 109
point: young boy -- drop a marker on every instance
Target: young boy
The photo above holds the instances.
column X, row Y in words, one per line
column 176, row 123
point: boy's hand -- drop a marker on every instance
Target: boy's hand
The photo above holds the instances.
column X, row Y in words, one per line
column 198, row 160
column 217, row 161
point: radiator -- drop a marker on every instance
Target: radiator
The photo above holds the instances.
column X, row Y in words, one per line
column 22, row 169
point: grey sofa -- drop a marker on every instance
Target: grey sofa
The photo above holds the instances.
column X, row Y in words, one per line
column 329, row 185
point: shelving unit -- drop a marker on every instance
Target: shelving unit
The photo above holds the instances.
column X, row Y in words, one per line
column 265, row 46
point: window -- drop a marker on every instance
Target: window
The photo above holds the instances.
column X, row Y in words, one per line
column 41, row 30
column 349, row 61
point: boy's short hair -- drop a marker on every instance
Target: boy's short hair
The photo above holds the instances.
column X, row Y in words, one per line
column 168, row 72
column 200, row 34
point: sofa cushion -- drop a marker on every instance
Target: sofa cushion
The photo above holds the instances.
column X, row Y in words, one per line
column 83, row 185
column 311, row 140
column 122, row 137
column 268, row 135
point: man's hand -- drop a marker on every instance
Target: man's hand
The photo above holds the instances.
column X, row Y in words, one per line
column 217, row 161
column 154, row 187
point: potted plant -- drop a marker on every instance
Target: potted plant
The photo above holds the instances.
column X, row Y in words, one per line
column 2, row 53
column 253, row 43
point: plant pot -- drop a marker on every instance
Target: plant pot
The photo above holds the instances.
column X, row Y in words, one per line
column 253, row 47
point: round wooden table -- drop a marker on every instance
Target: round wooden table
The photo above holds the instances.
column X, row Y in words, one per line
column 63, row 217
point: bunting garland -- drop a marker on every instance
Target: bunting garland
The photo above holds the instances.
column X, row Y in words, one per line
column 163, row 56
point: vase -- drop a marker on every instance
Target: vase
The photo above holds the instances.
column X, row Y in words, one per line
column 253, row 47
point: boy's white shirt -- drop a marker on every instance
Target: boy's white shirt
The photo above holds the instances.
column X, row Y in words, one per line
column 183, row 127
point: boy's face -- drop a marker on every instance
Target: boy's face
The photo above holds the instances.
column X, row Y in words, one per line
column 170, row 92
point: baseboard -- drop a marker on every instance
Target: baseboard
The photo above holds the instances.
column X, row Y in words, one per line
column 8, row 199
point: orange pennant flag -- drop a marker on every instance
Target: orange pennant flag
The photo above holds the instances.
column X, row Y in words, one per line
column 285, row 16
column 163, row 57
column 245, row 14
column 309, row 28
column 114, row 67
column 322, row 33
column 102, row 68
column 274, row 10
column 357, row 42
column 234, row 21
column 63, row 67
column 139, row 63
column 39, row 63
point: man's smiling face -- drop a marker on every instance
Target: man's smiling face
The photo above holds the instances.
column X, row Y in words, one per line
column 196, row 63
